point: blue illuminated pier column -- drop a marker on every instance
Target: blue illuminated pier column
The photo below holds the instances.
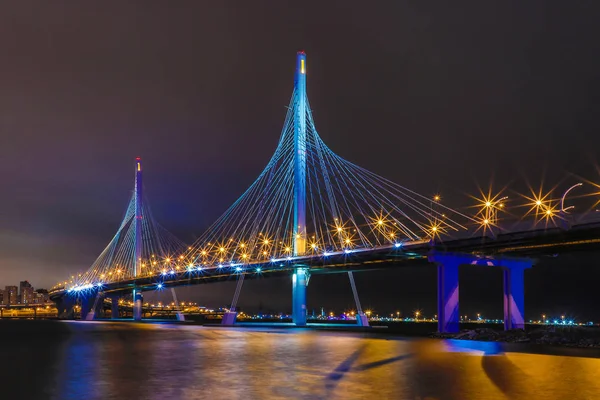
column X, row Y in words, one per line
column 448, row 316
column 514, row 295
column 514, row 288
column 137, row 294
column 137, row 304
column 299, row 283
column 300, row 278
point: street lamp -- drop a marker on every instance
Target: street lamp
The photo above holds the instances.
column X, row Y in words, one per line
column 492, row 207
column 489, row 207
column 562, row 200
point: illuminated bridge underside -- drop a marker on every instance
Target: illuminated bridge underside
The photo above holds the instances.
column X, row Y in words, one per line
column 536, row 243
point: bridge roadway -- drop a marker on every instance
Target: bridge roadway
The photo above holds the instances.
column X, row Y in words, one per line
column 525, row 244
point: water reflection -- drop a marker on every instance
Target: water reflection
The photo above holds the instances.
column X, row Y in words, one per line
column 473, row 347
column 108, row 360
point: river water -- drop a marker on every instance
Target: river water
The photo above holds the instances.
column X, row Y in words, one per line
column 112, row 360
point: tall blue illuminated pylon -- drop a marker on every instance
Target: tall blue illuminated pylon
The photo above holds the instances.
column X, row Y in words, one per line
column 309, row 202
column 138, row 242
column 300, row 277
column 300, row 156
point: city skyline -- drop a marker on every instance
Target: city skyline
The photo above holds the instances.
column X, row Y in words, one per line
column 22, row 294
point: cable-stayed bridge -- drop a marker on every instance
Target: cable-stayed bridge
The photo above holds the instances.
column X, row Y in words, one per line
column 310, row 212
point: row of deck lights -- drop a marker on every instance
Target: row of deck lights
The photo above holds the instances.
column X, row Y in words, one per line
column 198, row 268
column 173, row 272
column 347, row 247
column 488, row 208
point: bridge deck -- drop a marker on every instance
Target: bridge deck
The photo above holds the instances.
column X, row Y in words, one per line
column 535, row 243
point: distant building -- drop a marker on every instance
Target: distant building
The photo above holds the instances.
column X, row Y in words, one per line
column 11, row 295
column 25, row 292
column 40, row 298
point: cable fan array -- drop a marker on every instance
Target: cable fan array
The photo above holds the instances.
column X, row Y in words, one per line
column 117, row 261
column 344, row 207
column 347, row 207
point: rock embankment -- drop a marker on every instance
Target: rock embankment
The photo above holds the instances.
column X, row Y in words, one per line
column 551, row 335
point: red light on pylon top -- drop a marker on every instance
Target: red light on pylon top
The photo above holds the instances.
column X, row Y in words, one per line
column 137, row 158
column 302, row 52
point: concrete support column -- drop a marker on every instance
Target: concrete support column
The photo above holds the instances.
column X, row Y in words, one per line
column 114, row 307
column 299, row 283
column 361, row 318
column 96, row 309
column 60, row 306
column 87, row 305
column 448, row 316
column 137, row 304
column 229, row 318
column 514, row 297
column 64, row 306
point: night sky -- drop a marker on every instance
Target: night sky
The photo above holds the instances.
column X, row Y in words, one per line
column 441, row 98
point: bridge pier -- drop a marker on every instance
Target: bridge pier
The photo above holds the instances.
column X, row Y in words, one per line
column 514, row 297
column 87, row 306
column 448, row 316
column 64, row 306
column 448, row 304
column 299, row 283
column 96, row 308
column 114, row 307
column 230, row 316
column 137, row 304
column 361, row 318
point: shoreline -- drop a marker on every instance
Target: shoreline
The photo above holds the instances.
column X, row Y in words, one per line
column 565, row 341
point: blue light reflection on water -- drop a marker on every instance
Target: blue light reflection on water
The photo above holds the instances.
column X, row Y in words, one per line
column 74, row 361
column 474, row 347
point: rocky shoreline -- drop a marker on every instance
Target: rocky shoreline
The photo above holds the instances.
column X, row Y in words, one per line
column 551, row 335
